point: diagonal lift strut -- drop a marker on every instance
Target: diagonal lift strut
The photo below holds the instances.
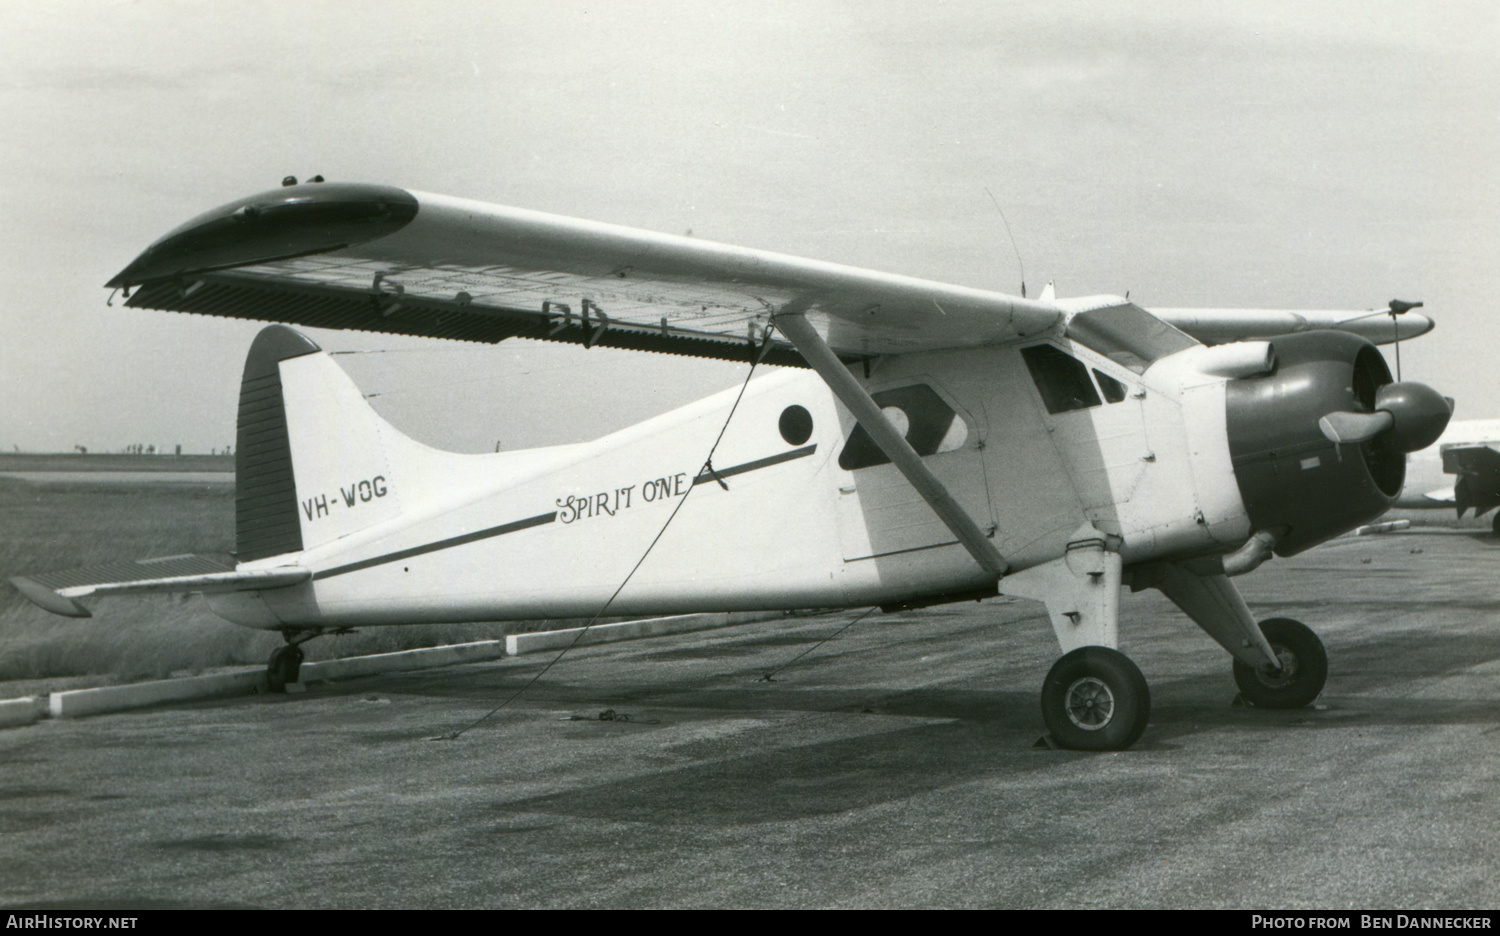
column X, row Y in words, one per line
column 821, row 358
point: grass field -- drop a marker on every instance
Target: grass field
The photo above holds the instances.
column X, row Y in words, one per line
column 47, row 527
column 65, row 461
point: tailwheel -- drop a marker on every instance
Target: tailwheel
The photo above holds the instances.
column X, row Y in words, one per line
column 1095, row 699
column 1304, row 667
column 282, row 670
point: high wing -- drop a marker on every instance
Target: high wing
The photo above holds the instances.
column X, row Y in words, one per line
column 1217, row 326
column 384, row 259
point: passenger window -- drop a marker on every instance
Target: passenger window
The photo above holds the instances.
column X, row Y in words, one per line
column 1113, row 390
column 1062, row 380
column 929, row 424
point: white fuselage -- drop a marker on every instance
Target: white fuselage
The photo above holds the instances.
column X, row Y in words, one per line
column 396, row 532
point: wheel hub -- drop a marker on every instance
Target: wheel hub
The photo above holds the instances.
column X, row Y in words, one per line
column 1089, row 703
column 1286, row 674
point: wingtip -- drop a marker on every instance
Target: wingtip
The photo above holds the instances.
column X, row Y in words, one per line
column 47, row 599
column 284, row 222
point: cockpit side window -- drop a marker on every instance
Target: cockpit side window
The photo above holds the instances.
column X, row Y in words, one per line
column 1113, row 390
column 1061, row 379
column 930, row 425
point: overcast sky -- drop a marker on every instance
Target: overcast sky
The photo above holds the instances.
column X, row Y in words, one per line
column 1259, row 154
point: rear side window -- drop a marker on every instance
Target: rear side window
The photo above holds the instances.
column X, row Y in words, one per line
column 929, row 424
column 1061, row 379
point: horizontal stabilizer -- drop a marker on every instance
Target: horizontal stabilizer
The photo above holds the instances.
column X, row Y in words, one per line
column 57, row 591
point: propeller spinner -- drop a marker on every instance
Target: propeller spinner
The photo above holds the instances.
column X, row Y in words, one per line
column 1414, row 414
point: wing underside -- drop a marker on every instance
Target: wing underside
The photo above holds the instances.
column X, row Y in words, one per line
column 349, row 293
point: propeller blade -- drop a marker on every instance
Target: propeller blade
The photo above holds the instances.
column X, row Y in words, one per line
column 1341, row 427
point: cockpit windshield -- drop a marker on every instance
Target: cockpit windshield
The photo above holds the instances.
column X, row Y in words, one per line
column 1128, row 335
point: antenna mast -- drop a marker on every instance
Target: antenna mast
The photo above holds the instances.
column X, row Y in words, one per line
column 1012, row 239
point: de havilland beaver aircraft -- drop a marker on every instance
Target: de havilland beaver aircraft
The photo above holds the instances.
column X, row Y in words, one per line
column 925, row 443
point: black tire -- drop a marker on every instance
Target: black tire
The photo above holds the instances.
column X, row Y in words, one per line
column 283, row 668
column 1095, row 699
column 1304, row 665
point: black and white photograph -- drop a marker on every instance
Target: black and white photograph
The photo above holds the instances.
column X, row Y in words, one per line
column 665, row 454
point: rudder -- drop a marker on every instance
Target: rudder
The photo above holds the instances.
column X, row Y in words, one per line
column 265, row 491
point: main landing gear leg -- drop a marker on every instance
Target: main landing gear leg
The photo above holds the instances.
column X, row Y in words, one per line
column 1094, row 698
column 1278, row 663
column 286, row 661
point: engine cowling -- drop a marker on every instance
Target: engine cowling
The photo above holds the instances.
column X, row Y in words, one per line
column 1319, row 443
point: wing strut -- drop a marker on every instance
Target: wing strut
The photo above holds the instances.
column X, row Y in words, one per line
column 849, row 391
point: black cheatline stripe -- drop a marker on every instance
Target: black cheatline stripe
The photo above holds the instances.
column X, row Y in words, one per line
column 717, row 473
column 897, row 552
column 501, row 530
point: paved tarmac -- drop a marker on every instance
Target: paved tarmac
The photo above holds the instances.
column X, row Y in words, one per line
column 893, row 766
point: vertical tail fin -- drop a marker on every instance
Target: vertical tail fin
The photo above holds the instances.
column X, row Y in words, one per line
column 312, row 461
column 265, row 491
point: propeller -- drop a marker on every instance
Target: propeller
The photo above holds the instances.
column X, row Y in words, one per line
column 1342, row 427
column 1414, row 414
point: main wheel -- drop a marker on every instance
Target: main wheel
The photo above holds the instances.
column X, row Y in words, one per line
column 1304, row 667
column 1095, row 699
column 283, row 668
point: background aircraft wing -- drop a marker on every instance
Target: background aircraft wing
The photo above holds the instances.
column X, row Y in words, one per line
column 382, row 259
column 1478, row 470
